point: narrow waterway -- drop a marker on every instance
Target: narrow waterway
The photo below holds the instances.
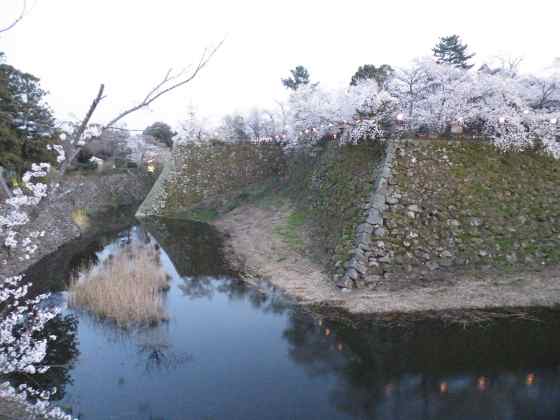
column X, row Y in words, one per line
column 229, row 351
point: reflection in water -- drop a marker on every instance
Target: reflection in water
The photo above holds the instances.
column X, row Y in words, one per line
column 60, row 358
column 155, row 349
column 428, row 370
column 232, row 352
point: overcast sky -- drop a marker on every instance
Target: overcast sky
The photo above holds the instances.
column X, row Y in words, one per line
column 74, row 45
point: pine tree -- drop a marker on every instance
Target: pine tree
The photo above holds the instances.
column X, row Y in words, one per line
column 300, row 76
column 26, row 122
column 380, row 74
column 450, row 50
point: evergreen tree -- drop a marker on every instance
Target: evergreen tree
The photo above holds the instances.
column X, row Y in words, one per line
column 162, row 132
column 450, row 50
column 380, row 74
column 300, row 76
column 26, row 122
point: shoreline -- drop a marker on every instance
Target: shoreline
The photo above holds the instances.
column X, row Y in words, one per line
column 252, row 247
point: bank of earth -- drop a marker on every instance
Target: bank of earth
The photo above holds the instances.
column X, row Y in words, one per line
column 254, row 247
column 465, row 228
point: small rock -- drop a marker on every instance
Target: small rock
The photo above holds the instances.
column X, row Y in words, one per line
column 446, row 262
column 373, row 280
column 378, row 252
column 364, row 228
column 360, row 268
column 432, row 265
column 345, row 284
column 475, row 221
column 374, row 217
column 353, row 274
column 379, row 232
column 446, row 254
column 414, row 208
column 511, row 258
column 411, row 214
column 392, row 200
column 483, row 253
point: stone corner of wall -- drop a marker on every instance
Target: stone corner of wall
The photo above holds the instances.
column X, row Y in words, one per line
column 156, row 199
column 356, row 274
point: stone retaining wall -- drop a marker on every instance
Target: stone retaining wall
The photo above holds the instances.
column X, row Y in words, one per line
column 357, row 267
column 69, row 214
column 442, row 208
column 199, row 175
column 155, row 201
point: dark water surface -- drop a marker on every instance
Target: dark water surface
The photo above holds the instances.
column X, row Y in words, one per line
column 231, row 352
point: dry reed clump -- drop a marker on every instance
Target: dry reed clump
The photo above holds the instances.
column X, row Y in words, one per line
column 81, row 219
column 126, row 288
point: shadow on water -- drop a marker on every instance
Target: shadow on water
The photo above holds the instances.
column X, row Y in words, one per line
column 232, row 352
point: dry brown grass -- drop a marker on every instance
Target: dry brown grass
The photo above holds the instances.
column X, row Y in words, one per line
column 126, row 288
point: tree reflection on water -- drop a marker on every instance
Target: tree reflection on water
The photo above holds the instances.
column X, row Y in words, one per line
column 154, row 347
column 60, row 357
column 429, row 370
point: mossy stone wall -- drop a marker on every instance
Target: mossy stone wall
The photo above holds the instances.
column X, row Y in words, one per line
column 465, row 206
column 202, row 175
column 331, row 186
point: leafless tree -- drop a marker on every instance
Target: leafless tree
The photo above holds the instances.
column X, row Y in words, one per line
column 22, row 14
column 509, row 63
column 74, row 148
column 256, row 124
column 169, row 83
column 4, row 184
column 546, row 92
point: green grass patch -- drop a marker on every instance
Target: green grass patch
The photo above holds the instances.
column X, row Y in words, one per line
column 199, row 215
column 290, row 230
column 330, row 187
column 265, row 194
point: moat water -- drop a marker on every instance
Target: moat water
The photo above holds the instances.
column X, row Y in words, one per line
column 231, row 352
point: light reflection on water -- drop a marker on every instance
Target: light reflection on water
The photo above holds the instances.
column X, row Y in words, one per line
column 231, row 352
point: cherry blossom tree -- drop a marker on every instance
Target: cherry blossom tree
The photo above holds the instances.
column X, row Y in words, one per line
column 23, row 317
column 349, row 114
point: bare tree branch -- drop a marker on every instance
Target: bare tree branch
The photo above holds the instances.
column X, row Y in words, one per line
column 83, row 125
column 4, row 185
column 509, row 63
column 18, row 19
column 168, row 84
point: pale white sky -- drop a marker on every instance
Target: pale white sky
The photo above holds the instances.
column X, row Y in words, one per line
column 74, row 45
